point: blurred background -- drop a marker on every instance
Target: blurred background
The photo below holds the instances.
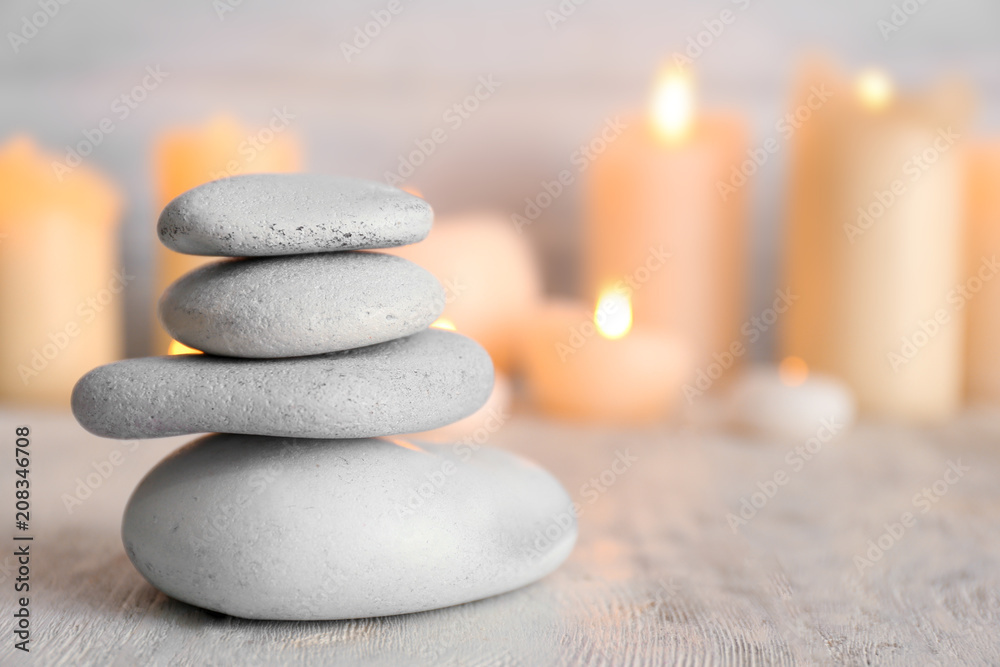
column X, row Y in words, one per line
column 535, row 98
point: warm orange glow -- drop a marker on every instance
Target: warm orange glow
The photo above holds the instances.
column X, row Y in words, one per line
column 177, row 347
column 37, row 184
column 874, row 89
column 673, row 104
column 444, row 323
column 406, row 444
column 793, row 371
column 413, row 190
column 613, row 314
column 188, row 156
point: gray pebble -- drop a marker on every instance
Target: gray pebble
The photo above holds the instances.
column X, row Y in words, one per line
column 254, row 215
column 293, row 529
column 406, row 385
column 300, row 305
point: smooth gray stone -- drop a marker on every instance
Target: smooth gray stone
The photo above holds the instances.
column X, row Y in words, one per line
column 267, row 307
column 253, row 215
column 294, row 529
column 411, row 384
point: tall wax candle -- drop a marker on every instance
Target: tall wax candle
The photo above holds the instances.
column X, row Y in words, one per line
column 663, row 222
column 982, row 291
column 874, row 244
column 187, row 157
column 60, row 275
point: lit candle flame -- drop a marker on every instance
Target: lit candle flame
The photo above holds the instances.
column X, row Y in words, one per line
column 874, row 89
column 444, row 323
column 793, row 371
column 673, row 104
column 613, row 314
column 177, row 347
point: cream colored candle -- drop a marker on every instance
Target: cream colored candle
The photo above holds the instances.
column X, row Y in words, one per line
column 597, row 368
column 982, row 357
column 874, row 244
column 788, row 402
column 187, row 157
column 489, row 275
column 660, row 223
column 60, row 275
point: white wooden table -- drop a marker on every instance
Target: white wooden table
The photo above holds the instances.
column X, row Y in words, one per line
column 658, row 576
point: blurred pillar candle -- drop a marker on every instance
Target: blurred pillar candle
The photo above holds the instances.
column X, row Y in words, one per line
column 874, row 243
column 489, row 275
column 187, row 157
column 982, row 289
column 60, row 276
column 595, row 367
column 664, row 220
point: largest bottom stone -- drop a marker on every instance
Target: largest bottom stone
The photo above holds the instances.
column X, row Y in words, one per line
column 300, row 529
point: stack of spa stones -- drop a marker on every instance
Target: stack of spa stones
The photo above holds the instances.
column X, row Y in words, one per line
column 297, row 509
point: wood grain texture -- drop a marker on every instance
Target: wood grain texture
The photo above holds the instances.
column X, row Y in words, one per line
column 658, row 576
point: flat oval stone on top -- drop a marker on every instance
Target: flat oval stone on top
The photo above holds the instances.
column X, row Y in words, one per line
column 265, row 307
column 254, row 215
column 406, row 385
